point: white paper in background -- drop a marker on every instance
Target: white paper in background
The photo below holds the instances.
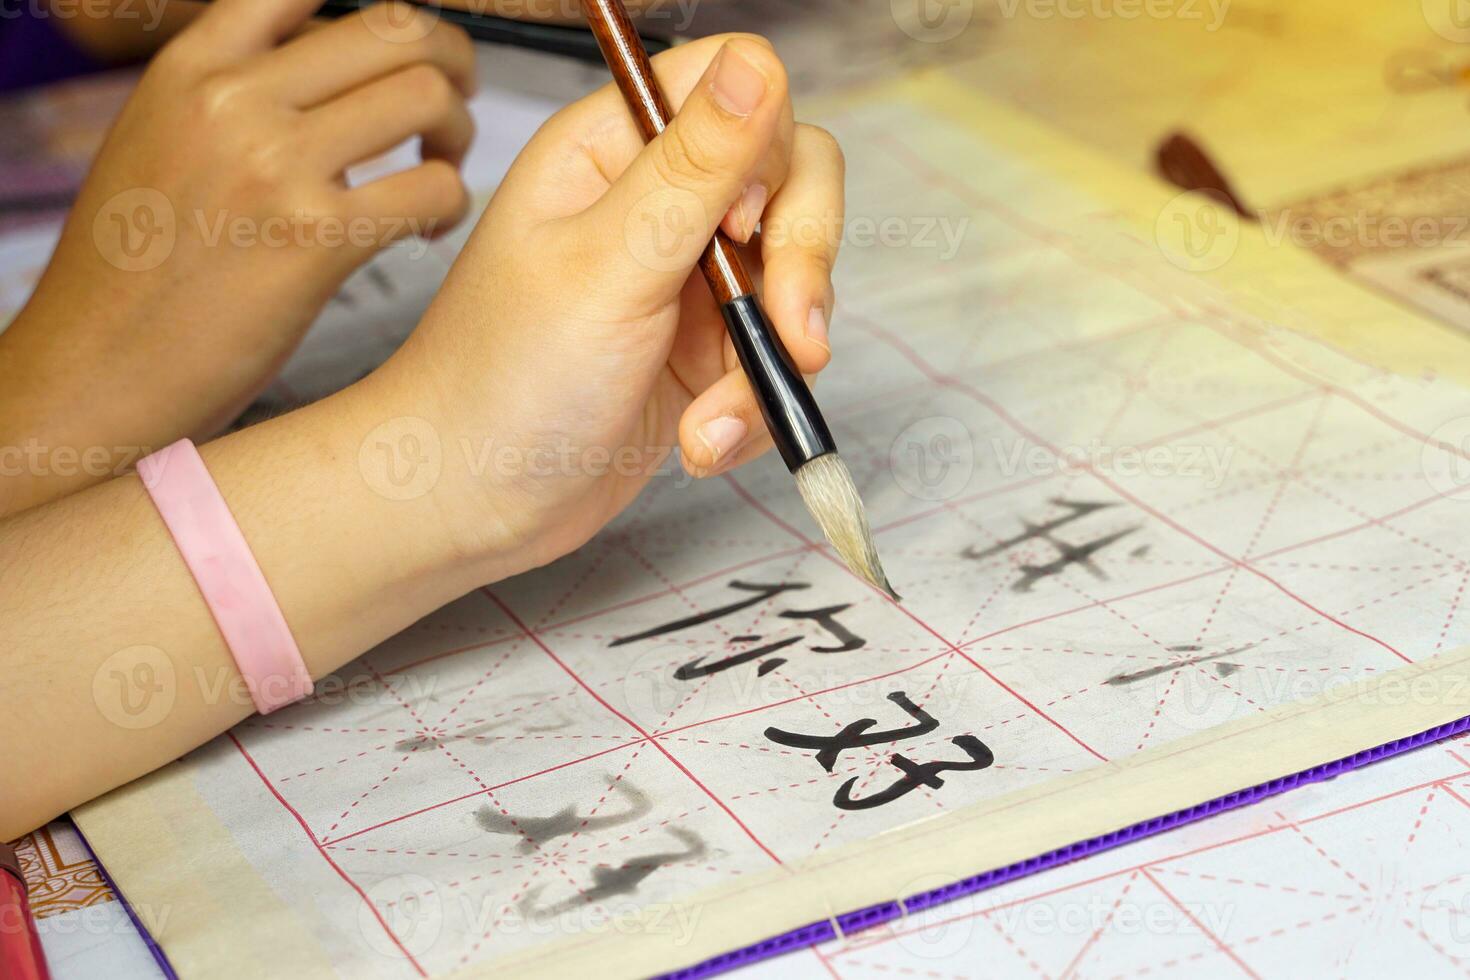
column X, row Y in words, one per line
column 1345, row 131
column 1121, row 512
column 98, row 940
column 1353, row 878
column 23, row 257
column 1350, row 875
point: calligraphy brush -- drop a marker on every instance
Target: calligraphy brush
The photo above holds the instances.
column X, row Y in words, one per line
column 790, row 411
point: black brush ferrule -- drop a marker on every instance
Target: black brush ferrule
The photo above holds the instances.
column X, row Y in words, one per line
column 791, row 413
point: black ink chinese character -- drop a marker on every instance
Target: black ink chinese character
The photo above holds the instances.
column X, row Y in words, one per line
column 762, row 593
column 916, row 775
column 1222, row 667
column 1067, row 554
column 623, row 879
column 857, row 735
column 843, row 639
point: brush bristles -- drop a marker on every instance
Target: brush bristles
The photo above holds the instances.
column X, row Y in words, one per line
column 827, row 488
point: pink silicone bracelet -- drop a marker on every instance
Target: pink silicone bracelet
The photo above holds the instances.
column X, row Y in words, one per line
column 227, row 574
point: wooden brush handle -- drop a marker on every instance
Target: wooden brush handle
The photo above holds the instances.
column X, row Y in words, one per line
column 623, row 50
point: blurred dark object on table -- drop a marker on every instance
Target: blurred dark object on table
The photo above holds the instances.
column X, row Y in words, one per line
column 35, row 50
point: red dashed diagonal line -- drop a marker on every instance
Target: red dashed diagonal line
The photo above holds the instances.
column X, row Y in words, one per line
column 636, row 727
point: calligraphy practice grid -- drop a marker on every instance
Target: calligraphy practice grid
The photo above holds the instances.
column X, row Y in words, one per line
column 1118, row 515
column 1345, row 878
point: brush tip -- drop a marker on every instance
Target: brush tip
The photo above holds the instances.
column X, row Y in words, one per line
column 828, row 491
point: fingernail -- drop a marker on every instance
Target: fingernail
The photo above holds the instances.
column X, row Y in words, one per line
column 816, row 328
column 722, row 436
column 738, row 87
column 746, row 213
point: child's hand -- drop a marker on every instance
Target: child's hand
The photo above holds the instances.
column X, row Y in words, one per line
column 570, row 333
column 573, row 344
column 216, row 221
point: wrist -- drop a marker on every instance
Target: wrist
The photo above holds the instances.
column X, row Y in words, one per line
column 91, row 372
column 432, row 478
column 60, row 430
column 350, row 559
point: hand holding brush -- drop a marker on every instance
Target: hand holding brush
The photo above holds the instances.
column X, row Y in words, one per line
column 791, row 414
column 570, row 347
column 575, row 327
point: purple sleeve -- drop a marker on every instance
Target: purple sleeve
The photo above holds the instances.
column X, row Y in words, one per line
column 34, row 50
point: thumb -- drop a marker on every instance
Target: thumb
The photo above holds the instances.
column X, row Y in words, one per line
column 665, row 207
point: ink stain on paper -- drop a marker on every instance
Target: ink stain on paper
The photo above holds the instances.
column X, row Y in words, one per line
column 1222, row 668
column 435, row 739
column 609, row 881
column 534, row 832
column 1067, row 553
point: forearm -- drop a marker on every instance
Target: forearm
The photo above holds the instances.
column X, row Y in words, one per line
column 86, row 389
column 87, row 581
column 67, row 420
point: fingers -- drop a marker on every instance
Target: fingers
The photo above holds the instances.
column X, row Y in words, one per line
column 722, row 427
column 423, row 200
column 679, row 70
column 666, row 206
column 601, row 121
column 745, row 214
column 799, row 241
column 382, row 40
column 418, row 101
column 229, row 30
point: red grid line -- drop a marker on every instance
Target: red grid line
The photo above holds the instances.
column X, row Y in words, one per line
column 1102, row 926
column 998, row 410
column 482, row 792
column 1158, row 863
column 1219, row 943
column 321, row 849
column 921, row 623
column 634, row 741
column 635, row 726
column 1235, row 564
column 1220, row 319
